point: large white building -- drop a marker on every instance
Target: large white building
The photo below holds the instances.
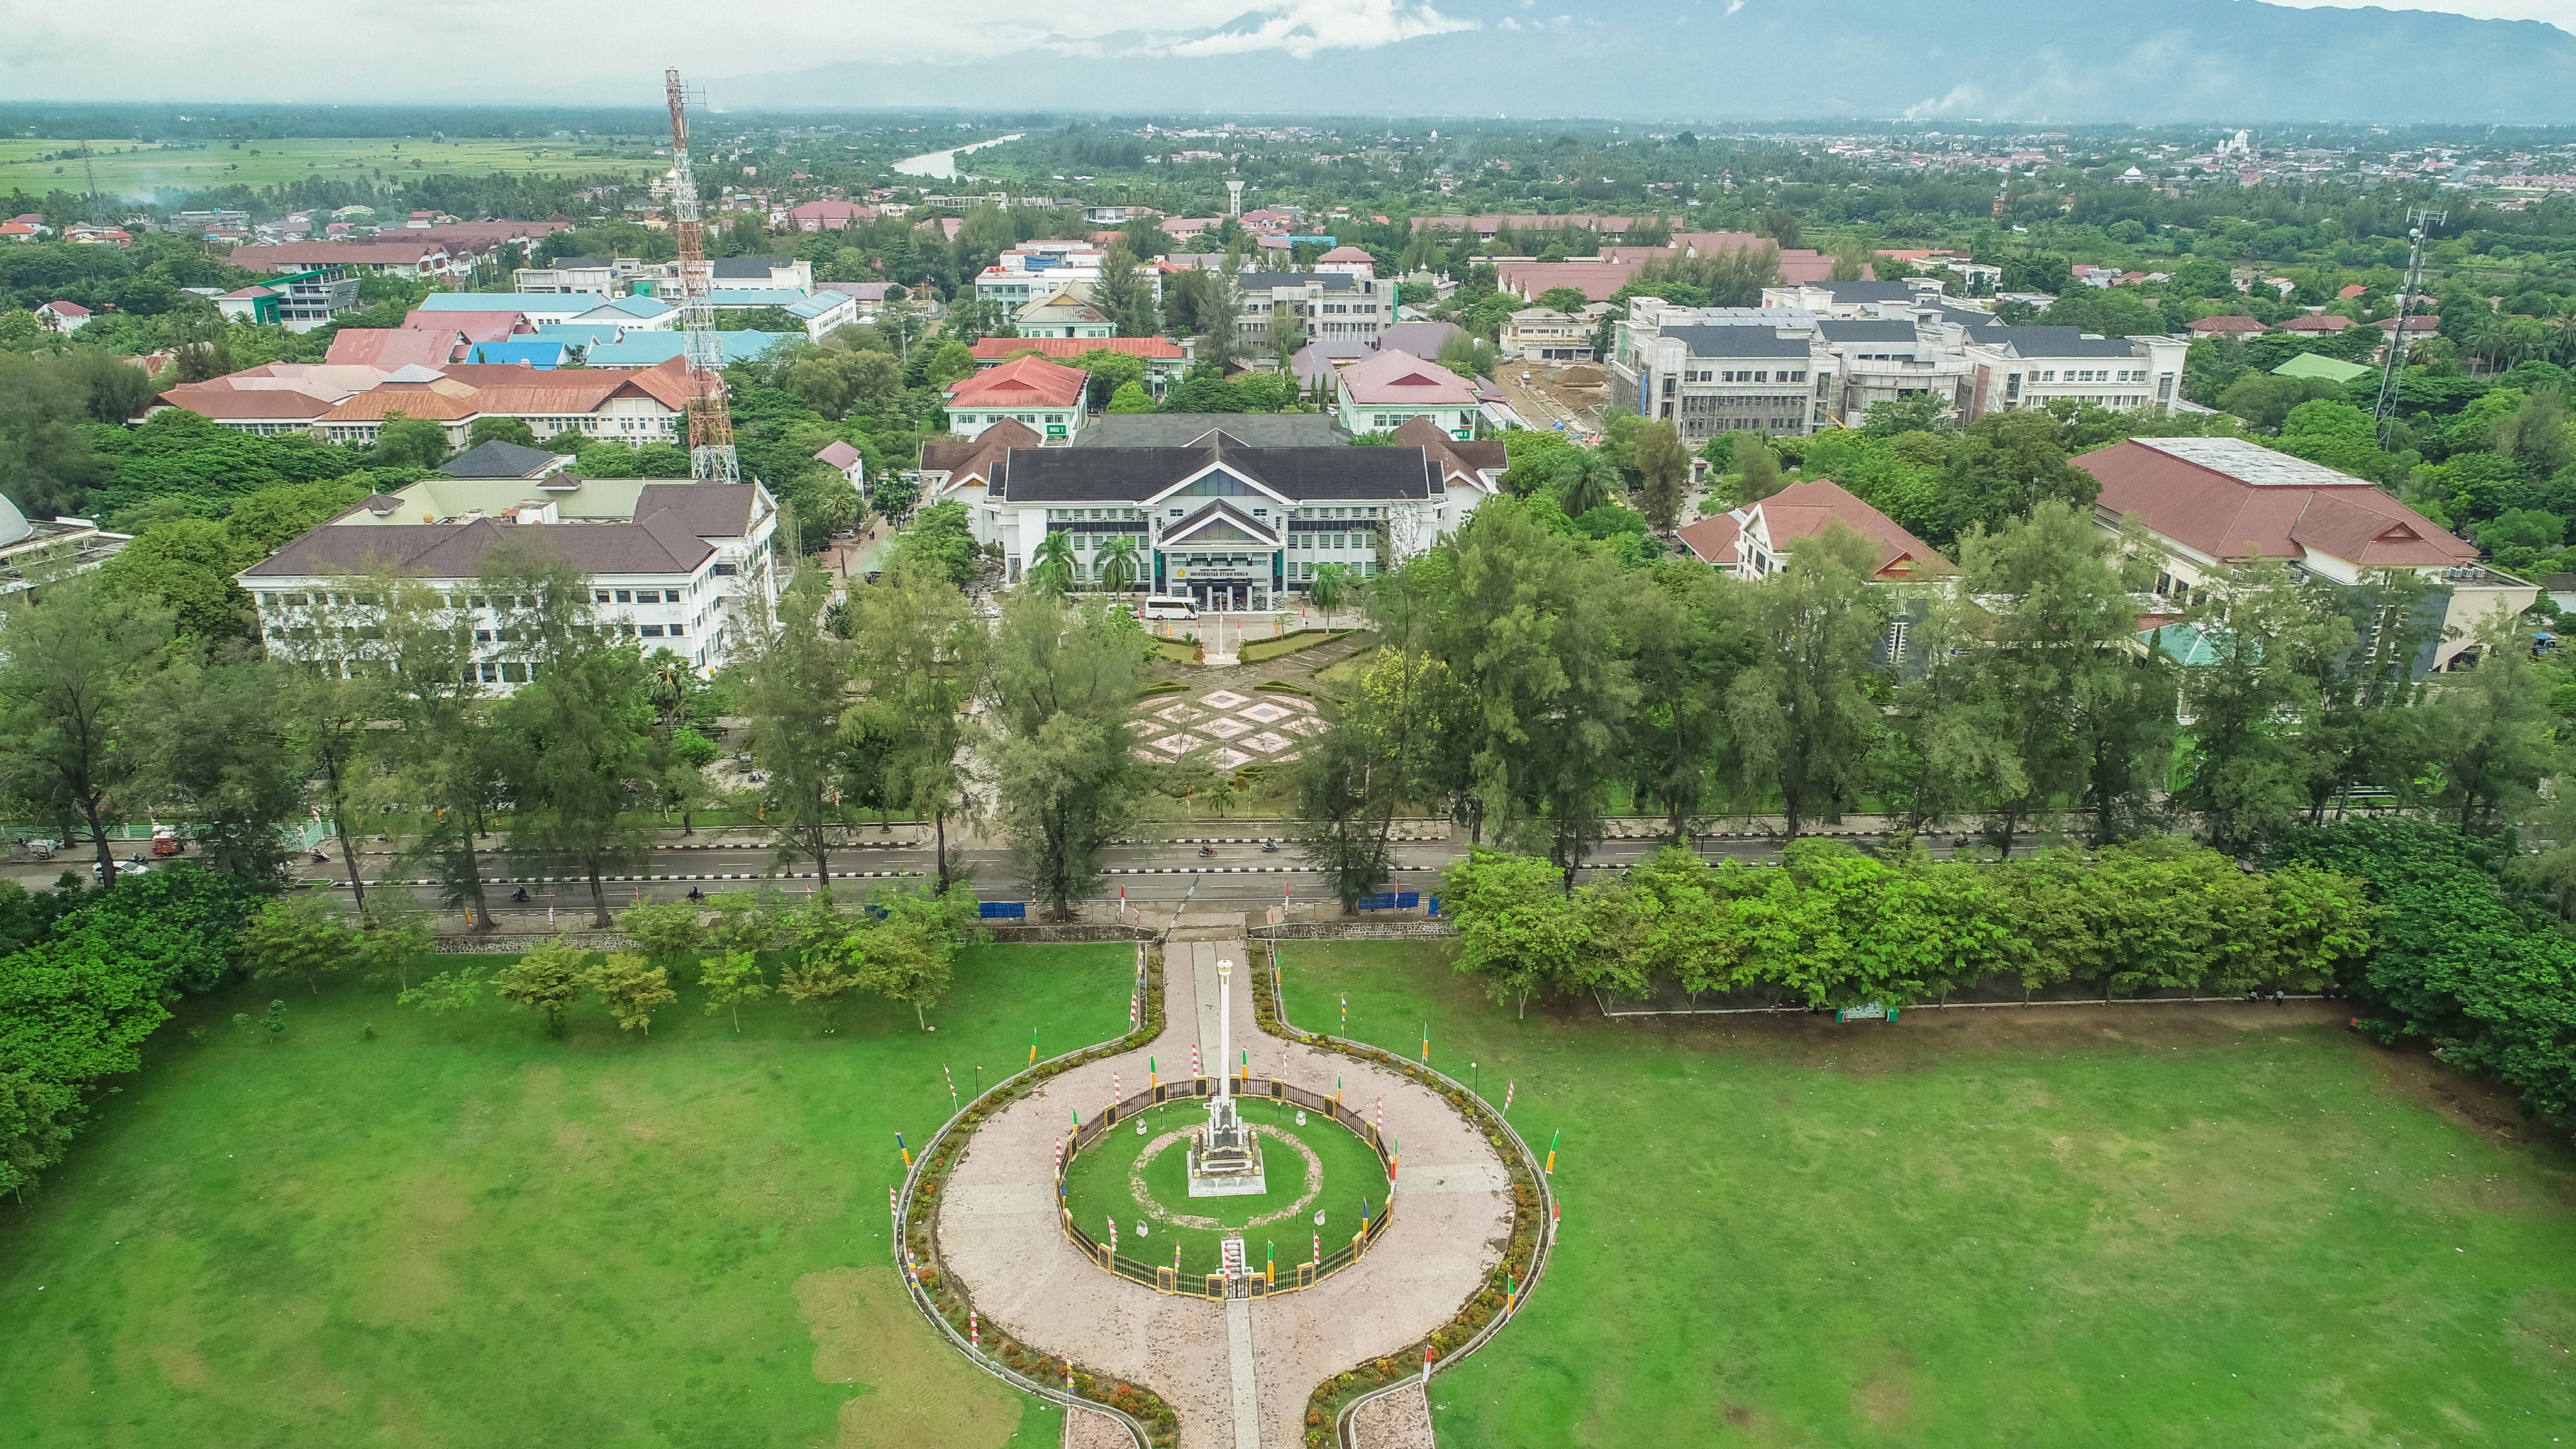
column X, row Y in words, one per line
column 679, row 566
column 2028, row 367
column 1230, row 524
column 1337, row 306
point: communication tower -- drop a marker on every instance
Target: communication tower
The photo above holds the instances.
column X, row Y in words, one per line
column 711, row 455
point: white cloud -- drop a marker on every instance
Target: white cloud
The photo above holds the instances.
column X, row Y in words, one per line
column 1734, row 5
column 1303, row 27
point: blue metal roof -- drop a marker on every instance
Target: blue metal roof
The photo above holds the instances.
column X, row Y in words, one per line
column 579, row 334
column 521, row 350
column 557, row 302
column 755, row 296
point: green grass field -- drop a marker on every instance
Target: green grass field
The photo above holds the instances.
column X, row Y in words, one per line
column 139, row 168
column 1998, row 1228
column 1101, row 1182
column 465, row 1233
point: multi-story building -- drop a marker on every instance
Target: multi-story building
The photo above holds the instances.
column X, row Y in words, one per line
column 1069, row 313
column 1336, row 306
column 1865, row 362
column 679, row 566
column 1034, row 271
column 349, row 404
column 1386, row 390
column 1542, row 334
column 2027, row 367
column 389, row 256
column 1233, row 525
column 1712, row 378
column 2212, row 503
column 34, row 553
column 296, row 301
column 1045, row 396
column 1164, row 359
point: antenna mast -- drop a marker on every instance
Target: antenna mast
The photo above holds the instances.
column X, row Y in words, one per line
column 2419, row 221
column 711, row 455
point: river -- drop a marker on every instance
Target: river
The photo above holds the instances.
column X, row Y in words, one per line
column 942, row 165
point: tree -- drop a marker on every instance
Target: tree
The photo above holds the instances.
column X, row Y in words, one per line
column 218, row 756
column 632, row 990
column 1688, row 634
column 328, row 716
column 1381, row 754
column 1756, row 467
column 669, row 932
column 1051, row 563
column 795, row 686
column 2489, row 729
column 294, row 936
column 1585, row 480
column 1328, row 587
column 547, row 980
column 575, row 738
column 911, row 950
column 1130, row 398
column 1802, row 716
column 730, row 980
column 409, row 442
column 817, row 987
column 2245, row 775
column 36, row 1117
column 72, row 671
column 444, row 994
column 501, row 430
column 1663, row 465
column 926, row 655
column 392, row 943
column 2058, row 630
column 1569, row 300
column 1517, row 927
column 2001, row 466
column 1063, row 679
column 445, row 756
column 1125, row 292
column 187, row 565
column 1120, row 563
column 47, row 464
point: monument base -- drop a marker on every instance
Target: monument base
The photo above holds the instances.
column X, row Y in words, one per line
column 1224, row 1173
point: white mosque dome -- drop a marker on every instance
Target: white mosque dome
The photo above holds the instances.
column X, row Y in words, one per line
column 13, row 524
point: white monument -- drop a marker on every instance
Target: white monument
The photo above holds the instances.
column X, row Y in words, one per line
column 1224, row 1160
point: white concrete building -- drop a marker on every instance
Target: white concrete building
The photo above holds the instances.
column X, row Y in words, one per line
column 679, row 566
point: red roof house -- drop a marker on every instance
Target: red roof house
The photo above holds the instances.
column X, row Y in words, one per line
column 2227, row 327
column 1755, row 540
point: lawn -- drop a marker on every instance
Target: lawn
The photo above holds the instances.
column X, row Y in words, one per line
column 128, row 168
column 1998, row 1228
column 463, row 1232
column 1101, row 1183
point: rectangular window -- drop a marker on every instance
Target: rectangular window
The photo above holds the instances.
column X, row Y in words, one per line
column 514, row 673
column 652, row 631
column 482, row 636
column 599, row 597
column 491, row 673
column 626, row 596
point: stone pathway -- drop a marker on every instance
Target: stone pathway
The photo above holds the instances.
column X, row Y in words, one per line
column 997, row 1232
column 1400, row 1420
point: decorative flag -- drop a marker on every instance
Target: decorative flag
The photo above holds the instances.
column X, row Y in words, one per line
column 1346, row 1013
column 1507, row 1096
column 1270, row 1263
column 1555, row 1214
column 1551, row 1151
column 1426, row 1043
column 1033, row 1046
column 1115, row 1095
column 1511, row 1291
column 906, row 1151
column 1381, row 1116
column 894, row 1205
column 1195, row 1073
column 974, row 1329
column 1059, row 1162
column 1113, row 1235
column 1176, row 1261
column 952, row 1085
column 1394, row 1160
column 1318, row 1259
column 1153, row 1078
column 1426, row 1363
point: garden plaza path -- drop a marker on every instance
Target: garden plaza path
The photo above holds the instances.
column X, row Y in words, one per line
column 997, row 1232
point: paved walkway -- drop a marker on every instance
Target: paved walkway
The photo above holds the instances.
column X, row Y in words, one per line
column 997, row 1232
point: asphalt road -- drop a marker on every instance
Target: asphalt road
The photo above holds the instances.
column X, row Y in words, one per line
column 1238, row 871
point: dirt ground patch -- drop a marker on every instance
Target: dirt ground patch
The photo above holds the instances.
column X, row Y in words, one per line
column 914, row 1391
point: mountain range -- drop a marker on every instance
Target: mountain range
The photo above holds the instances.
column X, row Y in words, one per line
column 2044, row 61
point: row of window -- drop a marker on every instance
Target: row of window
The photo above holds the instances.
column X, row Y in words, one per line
column 2096, row 374
column 1297, row 570
column 1739, row 402
column 1114, row 515
column 1741, row 374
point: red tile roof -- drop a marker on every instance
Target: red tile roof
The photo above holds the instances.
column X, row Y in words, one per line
column 994, row 349
column 1022, row 382
column 1713, row 539
column 2317, row 322
column 1400, row 379
column 2212, row 502
column 1802, row 509
column 2224, row 326
column 392, row 347
column 477, row 326
column 972, row 459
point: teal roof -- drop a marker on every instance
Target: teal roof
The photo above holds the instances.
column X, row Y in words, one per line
column 572, row 302
column 647, row 349
column 755, row 296
column 644, row 307
column 530, row 351
column 579, row 334
column 2311, row 364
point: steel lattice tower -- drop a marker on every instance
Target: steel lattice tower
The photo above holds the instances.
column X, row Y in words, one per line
column 711, row 455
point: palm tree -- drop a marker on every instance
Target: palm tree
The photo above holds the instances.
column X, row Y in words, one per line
column 1584, row 482
column 1051, row 567
column 1120, row 563
column 1327, row 589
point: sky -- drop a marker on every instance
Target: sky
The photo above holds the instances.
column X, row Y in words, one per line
column 469, row 51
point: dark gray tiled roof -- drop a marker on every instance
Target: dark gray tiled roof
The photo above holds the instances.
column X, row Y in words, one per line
column 1264, row 281
column 1866, row 331
column 1132, row 475
column 658, row 545
column 497, row 459
column 705, row 510
column 1179, row 430
column 1739, row 342
column 2053, row 342
column 747, row 266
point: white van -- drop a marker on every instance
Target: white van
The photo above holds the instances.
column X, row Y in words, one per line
column 1170, row 606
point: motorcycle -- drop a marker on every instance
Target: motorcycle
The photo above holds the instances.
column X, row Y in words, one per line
column 1270, row 847
column 696, row 894
column 520, row 896
column 321, row 859
column 1207, row 850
